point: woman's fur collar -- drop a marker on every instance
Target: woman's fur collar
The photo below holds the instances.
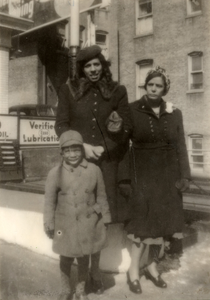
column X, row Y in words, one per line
column 81, row 86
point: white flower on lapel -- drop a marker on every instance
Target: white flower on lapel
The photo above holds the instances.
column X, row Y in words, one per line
column 169, row 107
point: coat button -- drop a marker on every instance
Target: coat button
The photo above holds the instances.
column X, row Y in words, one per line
column 95, row 109
column 95, row 103
column 94, row 119
column 95, row 94
column 93, row 136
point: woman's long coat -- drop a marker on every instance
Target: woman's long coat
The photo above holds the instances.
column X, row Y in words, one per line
column 159, row 159
column 76, row 208
column 88, row 116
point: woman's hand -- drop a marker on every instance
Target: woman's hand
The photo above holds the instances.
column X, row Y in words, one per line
column 182, row 184
column 89, row 151
column 94, row 152
column 98, row 151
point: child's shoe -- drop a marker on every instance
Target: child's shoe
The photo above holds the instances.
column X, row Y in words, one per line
column 80, row 292
column 65, row 292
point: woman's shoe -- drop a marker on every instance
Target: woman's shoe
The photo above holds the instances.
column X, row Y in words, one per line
column 159, row 282
column 97, row 286
column 134, row 286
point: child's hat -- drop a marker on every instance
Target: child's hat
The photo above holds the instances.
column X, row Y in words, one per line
column 69, row 138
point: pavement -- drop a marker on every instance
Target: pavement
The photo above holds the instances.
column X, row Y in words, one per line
column 26, row 275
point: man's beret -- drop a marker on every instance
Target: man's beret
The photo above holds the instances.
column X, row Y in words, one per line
column 69, row 138
column 88, row 53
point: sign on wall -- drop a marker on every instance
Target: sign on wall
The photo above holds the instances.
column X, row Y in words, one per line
column 8, row 127
column 18, row 8
column 37, row 132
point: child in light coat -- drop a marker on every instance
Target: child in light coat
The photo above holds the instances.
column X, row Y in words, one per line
column 76, row 212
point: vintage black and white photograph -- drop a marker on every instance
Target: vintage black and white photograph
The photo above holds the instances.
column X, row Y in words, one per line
column 104, row 150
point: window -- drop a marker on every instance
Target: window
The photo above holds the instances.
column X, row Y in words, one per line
column 196, row 152
column 142, row 68
column 193, row 7
column 195, row 70
column 102, row 40
column 144, row 19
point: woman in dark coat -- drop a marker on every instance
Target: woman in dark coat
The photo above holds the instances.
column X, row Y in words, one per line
column 85, row 104
column 160, row 173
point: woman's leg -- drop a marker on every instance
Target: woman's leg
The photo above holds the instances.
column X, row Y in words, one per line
column 153, row 259
column 151, row 271
column 133, row 273
column 136, row 253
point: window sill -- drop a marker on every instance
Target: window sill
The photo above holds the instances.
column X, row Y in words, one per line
column 143, row 35
column 194, row 15
column 195, row 91
column 145, row 16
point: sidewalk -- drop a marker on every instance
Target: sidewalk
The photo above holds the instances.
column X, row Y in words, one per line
column 26, row 275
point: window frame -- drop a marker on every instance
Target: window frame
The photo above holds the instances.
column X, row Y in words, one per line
column 191, row 72
column 189, row 8
column 104, row 46
column 197, row 153
column 139, row 18
column 140, row 85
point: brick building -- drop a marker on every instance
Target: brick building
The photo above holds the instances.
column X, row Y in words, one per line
column 135, row 35
column 175, row 35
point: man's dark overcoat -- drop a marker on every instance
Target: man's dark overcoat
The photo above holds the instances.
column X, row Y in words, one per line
column 88, row 116
column 159, row 159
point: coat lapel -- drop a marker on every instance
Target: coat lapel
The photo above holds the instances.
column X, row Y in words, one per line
column 144, row 107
